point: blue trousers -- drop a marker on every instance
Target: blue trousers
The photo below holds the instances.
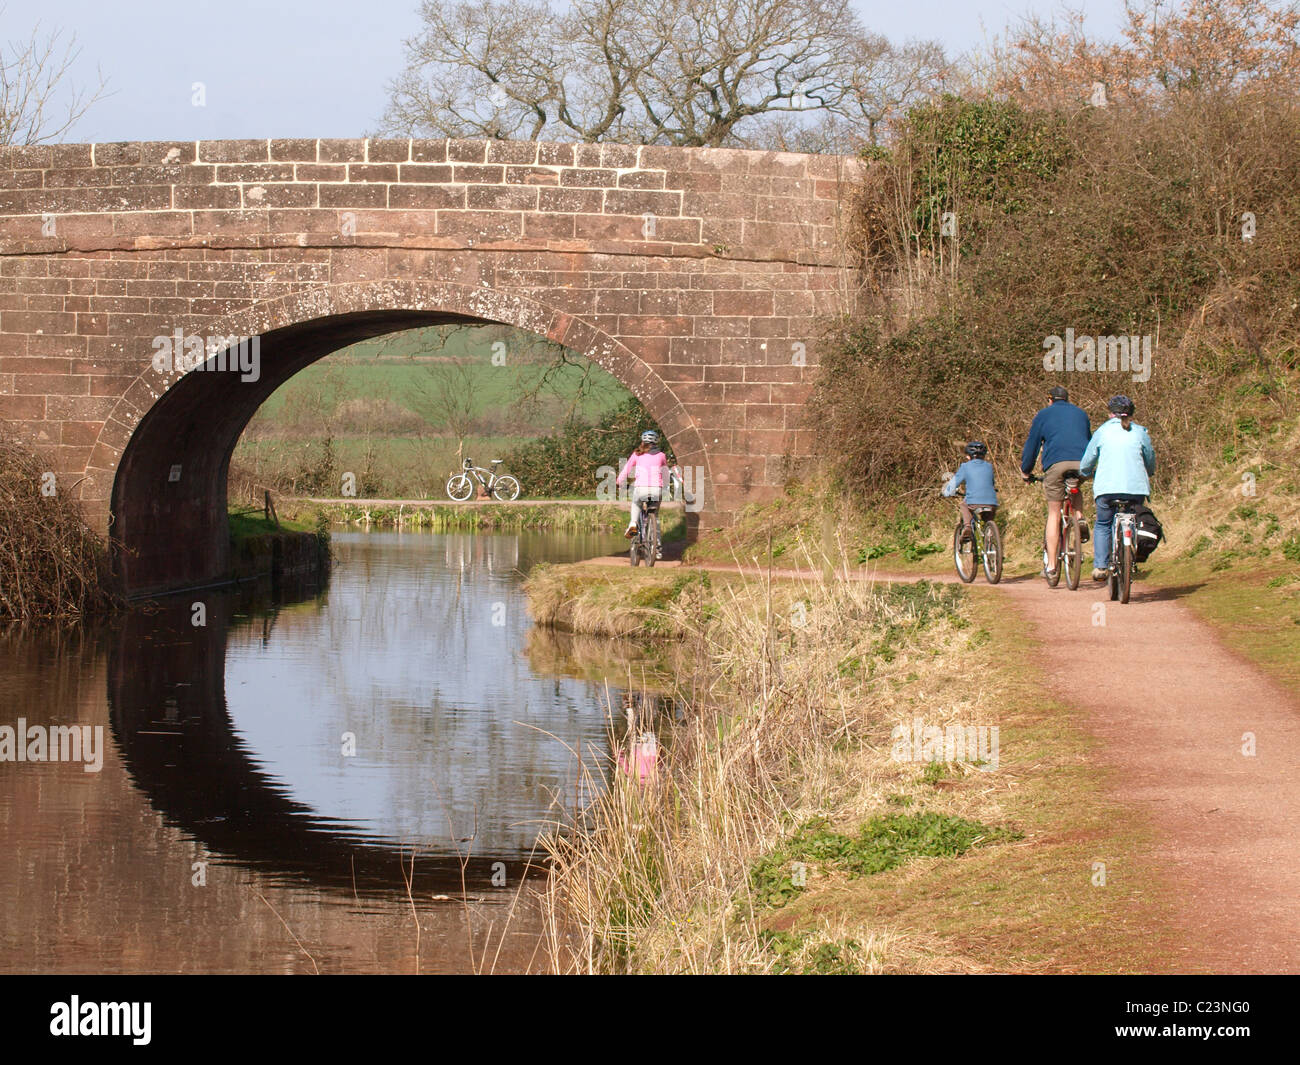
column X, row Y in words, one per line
column 1101, row 535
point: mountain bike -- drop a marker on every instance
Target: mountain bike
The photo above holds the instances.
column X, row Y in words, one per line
column 1069, row 544
column 984, row 542
column 461, row 487
column 645, row 544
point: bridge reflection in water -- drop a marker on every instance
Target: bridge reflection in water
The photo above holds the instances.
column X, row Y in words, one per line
column 233, row 732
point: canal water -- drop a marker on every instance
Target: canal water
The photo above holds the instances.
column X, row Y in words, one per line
column 352, row 780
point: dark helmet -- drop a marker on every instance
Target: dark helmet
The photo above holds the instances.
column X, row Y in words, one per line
column 1058, row 392
column 1121, row 405
column 976, row 449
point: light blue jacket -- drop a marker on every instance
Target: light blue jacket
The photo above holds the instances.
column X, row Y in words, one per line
column 1122, row 460
column 977, row 476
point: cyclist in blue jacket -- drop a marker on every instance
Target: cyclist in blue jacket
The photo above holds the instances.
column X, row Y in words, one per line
column 1121, row 454
column 976, row 473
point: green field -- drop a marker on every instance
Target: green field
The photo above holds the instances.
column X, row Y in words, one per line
column 396, row 411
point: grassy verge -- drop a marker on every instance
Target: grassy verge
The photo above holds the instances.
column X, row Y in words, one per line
column 812, row 523
column 786, row 754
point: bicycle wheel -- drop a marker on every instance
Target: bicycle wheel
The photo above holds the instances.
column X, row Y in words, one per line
column 992, row 553
column 1125, row 571
column 506, row 489
column 651, row 538
column 1073, row 554
column 460, row 488
column 963, row 554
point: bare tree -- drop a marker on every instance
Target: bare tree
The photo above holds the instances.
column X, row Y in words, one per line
column 683, row 72
column 32, row 70
column 448, row 396
column 1192, row 46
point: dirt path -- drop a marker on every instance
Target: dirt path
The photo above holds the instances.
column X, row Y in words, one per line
column 1172, row 707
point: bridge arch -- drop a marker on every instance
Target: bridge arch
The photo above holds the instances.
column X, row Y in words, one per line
column 702, row 278
column 169, row 470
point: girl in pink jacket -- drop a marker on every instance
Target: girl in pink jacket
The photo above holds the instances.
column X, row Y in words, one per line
column 644, row 471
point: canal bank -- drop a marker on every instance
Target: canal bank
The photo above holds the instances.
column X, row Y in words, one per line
column 794, row 826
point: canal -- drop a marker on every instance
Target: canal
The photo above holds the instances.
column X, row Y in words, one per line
column 352, row 779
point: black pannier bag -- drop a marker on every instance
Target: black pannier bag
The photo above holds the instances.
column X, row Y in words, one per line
column 1147, row 531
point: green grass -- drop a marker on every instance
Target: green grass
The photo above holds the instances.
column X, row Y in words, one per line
column 244, row 524
column 883, row 843
column 492, row 387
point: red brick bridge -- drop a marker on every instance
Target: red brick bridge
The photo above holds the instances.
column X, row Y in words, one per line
column 698, row 277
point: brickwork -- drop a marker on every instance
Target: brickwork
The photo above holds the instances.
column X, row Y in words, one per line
column 698, row 277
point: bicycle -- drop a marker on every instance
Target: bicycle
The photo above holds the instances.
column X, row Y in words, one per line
column 1123, row 551
column 1069, row 545
column 646, row 542
column 984, row 541
column 504, row 488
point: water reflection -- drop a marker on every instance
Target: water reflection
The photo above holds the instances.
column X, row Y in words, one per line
column 392, row 715
column 228, row 766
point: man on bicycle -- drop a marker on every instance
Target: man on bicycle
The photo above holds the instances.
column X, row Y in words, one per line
column 1120, row 452
column 644, row 470
column 1061, row 431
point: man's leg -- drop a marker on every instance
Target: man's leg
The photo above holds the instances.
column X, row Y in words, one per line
column 1101, row 534
column 1053, row 534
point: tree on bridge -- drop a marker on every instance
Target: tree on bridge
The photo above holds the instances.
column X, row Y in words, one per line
column 32, row 70
column 696, row 73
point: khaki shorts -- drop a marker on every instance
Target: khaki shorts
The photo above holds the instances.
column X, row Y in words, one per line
column 1054, row 480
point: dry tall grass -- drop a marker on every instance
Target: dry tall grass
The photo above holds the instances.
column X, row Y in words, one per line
column 655, row 877
column 51, row 563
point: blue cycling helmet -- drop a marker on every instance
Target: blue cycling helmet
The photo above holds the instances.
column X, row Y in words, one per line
column 977, row 449
column 1121, row 405
column 649, row 437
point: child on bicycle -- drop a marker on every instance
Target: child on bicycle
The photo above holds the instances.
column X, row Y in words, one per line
column 644, row 470
column 976, row 473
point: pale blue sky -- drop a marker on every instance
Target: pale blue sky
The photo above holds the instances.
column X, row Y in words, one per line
column 317, row 68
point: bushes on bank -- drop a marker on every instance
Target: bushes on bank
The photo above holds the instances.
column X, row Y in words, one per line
column 51, row 562
column 566, row 464
column 1121, row 221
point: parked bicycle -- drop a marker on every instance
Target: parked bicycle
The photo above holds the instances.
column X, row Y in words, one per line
column 1069, row 544
column 645, row 544
column 504, row 488
column 983, row 542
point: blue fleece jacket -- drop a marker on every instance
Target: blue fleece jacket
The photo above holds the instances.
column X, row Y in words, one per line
column 977, row 476
column 1061, row 430
column 1123, row 459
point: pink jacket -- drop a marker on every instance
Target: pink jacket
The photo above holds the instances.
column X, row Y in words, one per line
column 648, row 470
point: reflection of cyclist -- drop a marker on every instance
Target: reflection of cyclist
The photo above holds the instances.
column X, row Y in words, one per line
column 977, row 475
column 645, row 472
column 1061, row 431
column 1121, row 453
